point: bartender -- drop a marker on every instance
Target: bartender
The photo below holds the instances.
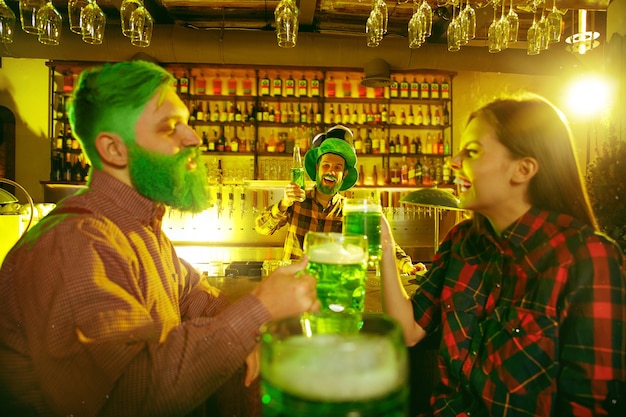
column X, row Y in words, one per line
column 331, row 163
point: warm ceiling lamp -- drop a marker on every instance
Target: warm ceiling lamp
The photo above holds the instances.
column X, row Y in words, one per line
column 586, row 38
column 286, row 16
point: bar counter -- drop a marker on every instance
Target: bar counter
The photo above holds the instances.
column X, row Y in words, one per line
column 235, row 287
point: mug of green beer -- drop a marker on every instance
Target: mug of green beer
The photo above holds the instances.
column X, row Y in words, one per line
column 339, row 264
column 362, row 216
column 307, row 371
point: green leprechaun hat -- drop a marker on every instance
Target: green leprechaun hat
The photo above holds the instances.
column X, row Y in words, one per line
column 337, row 141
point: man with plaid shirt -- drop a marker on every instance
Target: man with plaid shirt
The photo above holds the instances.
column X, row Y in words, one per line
column 331, row 163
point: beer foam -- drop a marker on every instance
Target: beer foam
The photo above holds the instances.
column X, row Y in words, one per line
column 337, row 368
column 335, row 253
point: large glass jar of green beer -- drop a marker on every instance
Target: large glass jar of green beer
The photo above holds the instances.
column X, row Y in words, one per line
column 356, row 367
column 362, row 217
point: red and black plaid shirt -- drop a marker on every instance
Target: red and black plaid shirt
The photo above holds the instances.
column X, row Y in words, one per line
column 533, row 322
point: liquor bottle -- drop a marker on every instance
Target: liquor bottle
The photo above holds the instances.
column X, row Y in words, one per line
column 413, row 146
column 200, row 115
column 201, row 85
column 362, row 115
column 440, row 145
column 362, row 89
column 418, row 146
column 378, row 116
column 412, row 178
column 264, row 85
column 217, row 85
column 330, row 117
column 266, row 112
column 318, row 115
column 445, row 89
column 446, row 146
column 436, row 117
column 302, row 87
column 383, row 141
column 232, row 85
column 438, row 172
column 395, row 174
column 404, row 172
column 315, row 87
column 375, row 176
column 392, row 117
column 215, row 116
column 272, row 115
column 410, row 119
column 220, row 146
column 278, row 115
column 384, row 116
column 290, row 86
column 446, row 116
column 361, row 175
column 368, row 143
column 358, row 143
column 247, row 86
column 67, row 167
column 56, row 167
column 183, row 84
column 369, row 114
column 68, row 81
column 238, row 116
column 204, row 146
column 311, row 117
column 375, row 142
column 77, row 170
column 418, row 173
column 402, row 118
column 414, row 88
column 434, row 89
column 297, row 169
column 331, row 87
column 424, row 90
column 426, row 179
column 347, row 87
column 212, row 145
column 296, row 114
column 393, row 88
column 234, row 142
column 404, row 149
column 419, row 117
column 426, row 119
column 304, row 115
column 277, row 86
column 193, row 113
column 60, row 141
column 404, row 88
column 337, row 119
column 346, row 115
column 446, row 172
column 354, row 117
column 428, row 148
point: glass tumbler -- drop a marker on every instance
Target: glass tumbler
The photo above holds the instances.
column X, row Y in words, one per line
column 28, row 15
column 334, row 365
column 362, row 216
column 7, row 23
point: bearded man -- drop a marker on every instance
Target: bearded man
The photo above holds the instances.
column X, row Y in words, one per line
column 99, row 316
column 331, row 163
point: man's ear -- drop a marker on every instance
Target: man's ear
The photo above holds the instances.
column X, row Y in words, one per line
column 526, row 168
column 112, row 149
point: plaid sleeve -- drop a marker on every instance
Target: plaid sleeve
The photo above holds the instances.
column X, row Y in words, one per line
column 270, row 220
column 593, row 333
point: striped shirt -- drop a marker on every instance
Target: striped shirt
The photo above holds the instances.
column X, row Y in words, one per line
column 533, row 322
column 99, row 316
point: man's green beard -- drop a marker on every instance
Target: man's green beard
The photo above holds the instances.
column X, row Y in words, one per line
column 165, row 178
column 324, row 189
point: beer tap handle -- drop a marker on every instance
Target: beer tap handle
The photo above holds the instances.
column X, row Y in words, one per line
column 254, row 201
column 242, row 197
column 218, row 196
column 231, row 201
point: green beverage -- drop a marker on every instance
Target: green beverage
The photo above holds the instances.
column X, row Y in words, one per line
column 340, row 268
column 305, row 373
column 362, row 217
column 297, row 176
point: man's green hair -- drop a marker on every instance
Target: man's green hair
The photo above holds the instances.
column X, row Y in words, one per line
column 110, row 98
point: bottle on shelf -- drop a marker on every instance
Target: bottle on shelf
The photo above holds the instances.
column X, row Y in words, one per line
column 418, row 146
column 393, row 88
column 201, row 85
column 247, row 86
column 445, row 89
column 375, row 142
column 384, row 115
column 424, row 90
column 277, row 86
column 347, row 87
column 264, row 86
column 361, row 176
column 418, row 172
column 331, row 87
column 217, row 85
column 426, row 121
column 404, row 88
column 434, row 89
column 232, row 85
column 290, row 86
column 436, row 117
column 358, row 142
column 414, row 88
column 183, row 84
column 302, row 86
column 446, row 115
column 220, row 146
column 413, row 146
column 315, row 86
column 368, row 143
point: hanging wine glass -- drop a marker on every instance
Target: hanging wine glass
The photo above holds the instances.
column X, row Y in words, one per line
column 126, row 11
column 532, row 38
column 470, row 14
column 93, row 23
column 7, row 23
column 49, row 24
column 542, row 31
column 141, row 26
column 374, row 28
column 286, row 17
column 494, row 33
column 504, row 28
column 415, row 28
column 555, row 24
column 513, row 20
column 74, row 7
column 454, row 32
column 427, row 12
column 28, row 15
column 382, row 6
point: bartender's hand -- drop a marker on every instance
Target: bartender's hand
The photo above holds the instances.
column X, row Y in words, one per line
column 412, row 269
column 288, row 291
column 293, row 193
column 253, row 366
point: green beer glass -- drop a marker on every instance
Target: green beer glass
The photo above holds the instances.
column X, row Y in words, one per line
column 339, row 264
column 308, row 370
column 363, row 217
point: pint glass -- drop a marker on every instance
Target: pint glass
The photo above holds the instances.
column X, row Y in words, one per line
column 362, row 217
column 339, row 264
column 307, row 371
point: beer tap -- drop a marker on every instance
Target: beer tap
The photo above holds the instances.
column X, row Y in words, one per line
column 218, row 205
column 242, row 198
column 231, row 201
